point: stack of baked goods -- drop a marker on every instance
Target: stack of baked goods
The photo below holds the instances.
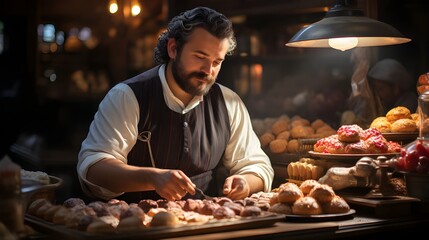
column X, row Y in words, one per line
column 397, row 120
column 309, row 198
column 282, row 134
column 352, row 139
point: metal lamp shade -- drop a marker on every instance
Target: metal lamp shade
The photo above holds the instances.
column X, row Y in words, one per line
column 368, row 31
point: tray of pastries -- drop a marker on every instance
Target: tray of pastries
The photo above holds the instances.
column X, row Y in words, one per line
column 310, row 201
column 148, row 219
column 352, row 142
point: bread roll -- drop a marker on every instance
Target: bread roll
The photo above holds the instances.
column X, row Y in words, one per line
column 397, row 113
column 306, row 206
column 289, row 193
column 164, row 219
column 278, row 146
column 279, row 126
column 307, row 185
column 266, row 138
column 335, row 206
column 382, row 124
column 404, row 125
column 322, row 193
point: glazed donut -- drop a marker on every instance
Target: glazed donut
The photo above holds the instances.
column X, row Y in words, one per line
column 349, row 133
column 396, row 113
column 322, row 193
column 306, row 206
column 404, row 125
column 335, row 206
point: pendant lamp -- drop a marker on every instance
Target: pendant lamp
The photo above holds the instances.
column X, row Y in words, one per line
column 343, row 28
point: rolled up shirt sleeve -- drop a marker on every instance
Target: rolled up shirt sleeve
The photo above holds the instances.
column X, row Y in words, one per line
column 112, row 134
column 244, row 154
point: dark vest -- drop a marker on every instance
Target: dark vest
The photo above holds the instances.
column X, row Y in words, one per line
column 193, row 142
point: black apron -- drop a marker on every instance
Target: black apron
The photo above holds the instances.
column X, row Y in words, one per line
column 193, row 142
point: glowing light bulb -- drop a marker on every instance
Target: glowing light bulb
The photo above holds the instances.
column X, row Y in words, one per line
column 135, row 10
column 343, row 44
column 113, row 7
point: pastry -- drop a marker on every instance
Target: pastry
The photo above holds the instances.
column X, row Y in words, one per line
column 396, row 113
column 250, row 211
column 377, row 144
column 278, row 146
column 359, row 147
column 307, row 185
column 130, row 224
column 329, row 144
column 279, row 126
column 382, row 124
column 164, row 218
column 349, row 133
column 223, row 212
column 293, row 146
column 289, row 193
column 335, row 206
column 266, row 138
column 306, row 206
column 404, row 125
column 322, row 193
column 318, row 123
column 281, row 208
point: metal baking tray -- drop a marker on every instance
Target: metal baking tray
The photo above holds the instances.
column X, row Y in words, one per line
column 64, row 233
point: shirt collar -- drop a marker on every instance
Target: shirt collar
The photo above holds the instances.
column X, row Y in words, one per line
column 172, row 101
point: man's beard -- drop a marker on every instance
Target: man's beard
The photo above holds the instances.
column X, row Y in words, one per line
column 184, row 80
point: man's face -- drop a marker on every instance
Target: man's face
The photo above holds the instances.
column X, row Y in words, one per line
column 197, row 65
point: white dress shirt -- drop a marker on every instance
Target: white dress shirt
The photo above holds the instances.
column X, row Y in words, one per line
column 113, row 133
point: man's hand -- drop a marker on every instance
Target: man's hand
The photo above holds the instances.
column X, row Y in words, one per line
column 173, row 184
column 236, row 187
column 241, row 186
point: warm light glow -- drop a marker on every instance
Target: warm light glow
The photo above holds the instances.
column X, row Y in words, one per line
column 113, row 6
column 343, row 44
column 135, row 10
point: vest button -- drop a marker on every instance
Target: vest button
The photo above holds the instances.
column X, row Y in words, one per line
column 185, row 149
column 185, row 124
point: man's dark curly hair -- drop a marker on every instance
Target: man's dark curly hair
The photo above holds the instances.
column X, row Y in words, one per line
column 182, row 25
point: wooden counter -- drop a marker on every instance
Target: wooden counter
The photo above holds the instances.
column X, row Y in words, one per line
column 360, row 227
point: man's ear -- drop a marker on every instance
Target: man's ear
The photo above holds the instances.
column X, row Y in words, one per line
column 172, row 48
